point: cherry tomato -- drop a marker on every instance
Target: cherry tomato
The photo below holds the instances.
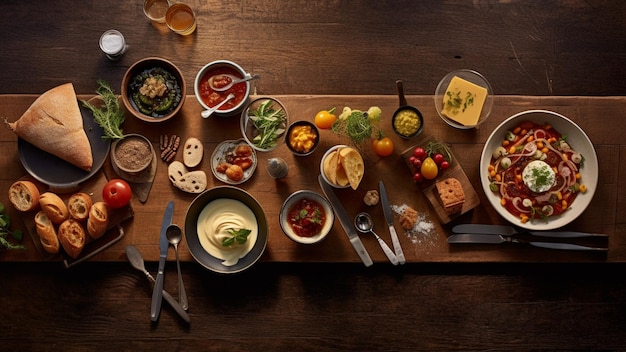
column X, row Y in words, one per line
column 419, row 153
column 438, row 158
column 444, row 165
column 325, row 119
column 383, row 146
column 417, row 163
column 116, row 193
column 429, row 168
column 417, row 177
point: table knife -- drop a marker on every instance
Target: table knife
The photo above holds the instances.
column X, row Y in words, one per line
column 384, row 199
column 157, row 293
column 510, row 231
column 497, row 239
column 345, row 221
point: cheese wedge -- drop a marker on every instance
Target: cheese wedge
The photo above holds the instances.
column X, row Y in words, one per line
column 53, row 123
column 463, row 101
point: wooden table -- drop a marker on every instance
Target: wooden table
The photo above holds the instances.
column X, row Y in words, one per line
column 594, row 115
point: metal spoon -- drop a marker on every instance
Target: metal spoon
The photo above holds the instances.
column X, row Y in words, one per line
column 208, row 112
column 364, row 223
column 174, row 235
column 136, row 260
column 233, row 80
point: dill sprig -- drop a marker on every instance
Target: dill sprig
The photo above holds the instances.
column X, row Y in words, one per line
column 110, row 116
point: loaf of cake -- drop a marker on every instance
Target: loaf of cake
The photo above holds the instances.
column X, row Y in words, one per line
column 451, row 195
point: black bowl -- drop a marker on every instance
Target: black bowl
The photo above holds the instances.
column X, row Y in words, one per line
column 410, row 109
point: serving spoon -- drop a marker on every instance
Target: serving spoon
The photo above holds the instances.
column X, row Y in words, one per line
column 208, row 112
column 233, row 80
column 364, row 223
column 174, row 236
column 136, row 260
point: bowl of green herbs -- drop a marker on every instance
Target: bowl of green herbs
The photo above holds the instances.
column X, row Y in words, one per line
column 263, row 123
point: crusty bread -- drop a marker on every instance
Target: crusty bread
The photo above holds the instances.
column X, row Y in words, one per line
column 78, row 205
column 24, row 195
column 353, row 165
column 54, row 207
column 54, row 124
column 72, row 237
column 193, row 152
column 47, row 233
column 98, row 220
column 329, row 167
column 451, row 195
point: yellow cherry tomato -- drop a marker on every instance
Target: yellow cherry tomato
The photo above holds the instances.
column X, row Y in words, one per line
column 383, row 146
column 429, row 168
column 325, row 119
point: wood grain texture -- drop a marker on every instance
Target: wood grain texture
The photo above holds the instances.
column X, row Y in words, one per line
column 566, row 48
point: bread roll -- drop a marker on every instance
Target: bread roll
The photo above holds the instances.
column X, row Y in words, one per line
column 47, row 234
column 98, row 220
column 24, row 195
column 72, row 237
column 54, row 207
column 78, row 205
column 192, row 152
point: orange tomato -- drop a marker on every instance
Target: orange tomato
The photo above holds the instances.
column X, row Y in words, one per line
column 383, row 146
column 429, row 168
column 325, row 119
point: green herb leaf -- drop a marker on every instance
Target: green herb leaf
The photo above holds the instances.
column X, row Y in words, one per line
column 238, row 235
column 111, row 116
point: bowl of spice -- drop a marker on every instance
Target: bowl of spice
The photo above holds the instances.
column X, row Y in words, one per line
column 306, row 217
column 132, row 154
column 263, row 123
column 302, row 138
column 153, row 89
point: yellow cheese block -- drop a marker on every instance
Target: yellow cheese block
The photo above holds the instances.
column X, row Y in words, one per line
column 463, row 101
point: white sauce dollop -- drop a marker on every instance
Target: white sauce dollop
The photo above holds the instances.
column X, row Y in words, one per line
column 538, row 176
column 216, row 219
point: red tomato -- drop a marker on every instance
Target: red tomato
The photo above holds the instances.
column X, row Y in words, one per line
column 383, row 146
column 444, row 165
column 419, row 153
column 438, row 158
column 417, row 163
column 417, row 177
column 116, row 193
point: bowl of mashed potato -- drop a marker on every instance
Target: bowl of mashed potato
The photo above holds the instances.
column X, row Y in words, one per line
column 226, row 229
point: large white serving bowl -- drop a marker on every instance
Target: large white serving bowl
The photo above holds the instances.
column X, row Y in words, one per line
column 576, row 138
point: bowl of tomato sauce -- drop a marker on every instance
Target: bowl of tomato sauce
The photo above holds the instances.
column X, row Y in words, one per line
column 218, row 74
column 306, row 217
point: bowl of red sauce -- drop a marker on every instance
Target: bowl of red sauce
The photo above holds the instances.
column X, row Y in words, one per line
column 218, row 74
column 306, row 217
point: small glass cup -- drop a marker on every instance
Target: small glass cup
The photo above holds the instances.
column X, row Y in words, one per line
column 181, row 19
column 155, row 10
column 113, row 44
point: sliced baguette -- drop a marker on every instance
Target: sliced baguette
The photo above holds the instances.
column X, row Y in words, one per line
column 24, row 195
column 46, row 232
column 79, row 205
column 353, row 165
column 54, row 207
column 98, row 220
column 72, row 237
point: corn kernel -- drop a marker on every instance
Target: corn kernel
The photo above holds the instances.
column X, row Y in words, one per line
column 512, row 150
column 559, row 195
column 502, row 201
column 490, row 168
column 582, row 188
column 492, row 173
column 505, row 143
column 524, row 131
column 578, row 175
column 518, row 177
column 564, row 204
column 516, row 130
column 545, row 150
column 524, row 219
column 498, row 177
column 530, row 139
column 539, row 144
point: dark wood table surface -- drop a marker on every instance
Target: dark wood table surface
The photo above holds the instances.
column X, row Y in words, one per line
column 562, row 55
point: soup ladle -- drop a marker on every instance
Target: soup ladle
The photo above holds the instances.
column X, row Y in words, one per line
column 233, row 80
column 208, row 112
column 364, row 223
column 174, row 236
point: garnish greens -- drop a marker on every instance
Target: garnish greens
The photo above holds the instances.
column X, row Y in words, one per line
column 356, row 124
column 5, row 231
column 110, row 117
column 456, row 102
column 238, row 235
column 315, row 217
column 269, row 124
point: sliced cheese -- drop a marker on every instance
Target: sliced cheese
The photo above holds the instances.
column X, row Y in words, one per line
column 463, row 101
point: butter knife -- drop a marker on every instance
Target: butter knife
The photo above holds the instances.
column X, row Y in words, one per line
column 497, row 239
column 345, row 221
column 510, row 231
column 384, row 199
column 157, row 293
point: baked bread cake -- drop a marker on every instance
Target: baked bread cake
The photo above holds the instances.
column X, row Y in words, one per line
column 451, row 195
column 53, row 123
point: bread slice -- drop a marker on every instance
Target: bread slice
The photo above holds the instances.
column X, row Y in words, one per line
column 330, row 166
column 193, row 152
column 24, row 195
column 79, row 205
column 451, row 195
column 353, row 164
column 72, row 237
column 98, row 220
column 53, row 123
column 54, row 207
column 47, row 233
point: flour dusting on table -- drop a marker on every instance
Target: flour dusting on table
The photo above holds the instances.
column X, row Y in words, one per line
column 422, row 231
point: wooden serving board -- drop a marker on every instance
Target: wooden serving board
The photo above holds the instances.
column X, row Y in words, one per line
column 428, row 186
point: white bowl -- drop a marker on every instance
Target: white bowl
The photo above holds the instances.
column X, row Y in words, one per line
column 293, row 199
column 326, row 179
column 578, row 141
column 222, row 67
column 470, row 76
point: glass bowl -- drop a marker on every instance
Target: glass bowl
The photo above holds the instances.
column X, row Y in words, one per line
column 474, row 78
column 256, row 116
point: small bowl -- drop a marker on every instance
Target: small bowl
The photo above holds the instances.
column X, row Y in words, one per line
column 135, row 76
column 292, row 201
column 133, row 154
column 326, row 155
column 249, row 130
column 472, row 77
column 222, row 152
column 403, row 122
column 296, row 137
column 208, row 98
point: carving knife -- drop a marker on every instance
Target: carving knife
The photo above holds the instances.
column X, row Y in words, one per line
column 384, row 199
column 157, row 293
column 510, row 231
column 497, row 239
column 345, row 221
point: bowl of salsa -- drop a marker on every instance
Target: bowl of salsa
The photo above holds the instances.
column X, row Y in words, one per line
column 218, row 74
column 306, row 217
